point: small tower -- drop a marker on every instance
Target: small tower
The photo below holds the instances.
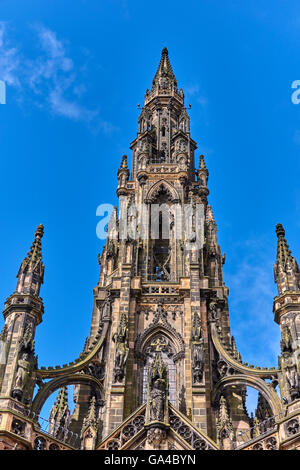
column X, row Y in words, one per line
column 90, row 427
column 59, row 417
column 22, row 313
column 286, row 269
column 123, row 175
column 225, row 433
column 286, row 312
column 202, row 176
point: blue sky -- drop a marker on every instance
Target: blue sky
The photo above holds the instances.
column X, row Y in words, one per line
column 75, row 71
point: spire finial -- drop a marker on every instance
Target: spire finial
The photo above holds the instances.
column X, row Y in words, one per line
column 39, row 231
column 32, row 263
column 280, row 232
column 202, row 164
column 124, row 162
column 60, row 413
column 286, row 269
column 164, row 78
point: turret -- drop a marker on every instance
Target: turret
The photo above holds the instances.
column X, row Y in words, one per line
column 164, row 79
column 123, row 174
column 286, row 269
column 286, row 311
column 31, row 272
column 164, row 126
column 22, row 313
column 59, row 418
column 225, row 433
column 90, row 427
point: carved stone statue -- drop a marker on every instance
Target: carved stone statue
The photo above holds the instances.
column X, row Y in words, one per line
column 157, row 399
column 293, row 381
column 22, row 372
column 290, row 374
column 212, row 311
column 121, row 340
column 286, row 341
column 197, row 350
column 24, row 365
column 156, row 437
column 157, row 387
column 106, row 309
column 3, row 346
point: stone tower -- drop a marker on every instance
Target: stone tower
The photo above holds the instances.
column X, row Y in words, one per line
column 160, row 369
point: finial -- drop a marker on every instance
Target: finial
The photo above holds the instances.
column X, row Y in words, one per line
column 39, row 231
column 164, row 78
column 202, row 162
column 286, row 269
column 280, row 231
column 124, row 162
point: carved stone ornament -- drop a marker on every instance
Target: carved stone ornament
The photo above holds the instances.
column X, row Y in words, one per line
column 25, row 365
column 197, row 350
column 157, row 390
column 292, row 427
column 156, row 437
column 18, row 427
column 121, row 340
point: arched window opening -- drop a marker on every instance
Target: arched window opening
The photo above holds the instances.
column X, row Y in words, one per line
column 167, row 353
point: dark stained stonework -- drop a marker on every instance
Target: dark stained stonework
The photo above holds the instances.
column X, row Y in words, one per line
column 160, row 369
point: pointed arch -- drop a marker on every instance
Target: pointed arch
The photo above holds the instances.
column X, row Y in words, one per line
column 159, row 186
column 50, row 387
column 155, row 329
column 260, row 385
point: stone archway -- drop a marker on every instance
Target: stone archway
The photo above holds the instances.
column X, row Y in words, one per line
column 50, row 387
column 265, row 389
column 162, row 185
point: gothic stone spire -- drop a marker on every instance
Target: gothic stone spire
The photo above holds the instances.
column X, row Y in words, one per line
column 91, row 419
column 60, row 413
column 31, row 272
column 224, row 426
column 286, row 269
column 164, row 77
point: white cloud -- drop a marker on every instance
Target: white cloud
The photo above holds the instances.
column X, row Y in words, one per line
column 192, row 91
column 252, row 290
column 50, row 80
column 52, row 74
column 67, row 108
column 9, row 59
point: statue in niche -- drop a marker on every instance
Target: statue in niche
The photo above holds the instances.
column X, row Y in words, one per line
column 145, row 146
column 202, row 180
column 212, row 311
column 182, row 145
column 286, row 343
column 25, row 365
column 106, row 309
column 157, row 386
column 121, row 340
column 3, row 345
column 289, row 369
column 22, row 375
column 197, row 350
column 157, row 399
column 182, row 163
